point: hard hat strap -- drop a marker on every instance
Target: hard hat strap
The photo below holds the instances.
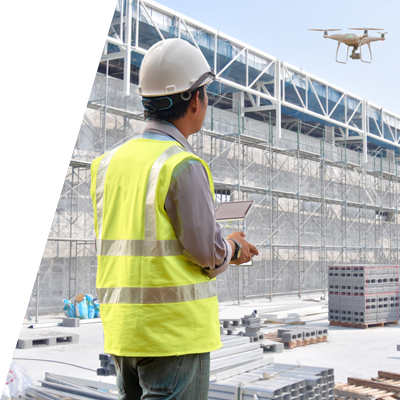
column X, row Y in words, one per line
column 153, row 104
column 201, row 80
column 161, row 103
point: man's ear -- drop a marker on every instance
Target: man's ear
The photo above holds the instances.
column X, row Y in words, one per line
column 194, row 102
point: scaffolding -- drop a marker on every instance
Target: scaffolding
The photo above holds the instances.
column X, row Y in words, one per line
column 318, row 202
column 48, row 141
column 321, row 164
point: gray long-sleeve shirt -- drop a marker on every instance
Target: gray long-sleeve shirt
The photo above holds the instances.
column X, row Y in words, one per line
column 190, row 207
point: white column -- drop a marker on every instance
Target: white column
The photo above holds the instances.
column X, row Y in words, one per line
column 364, row 128
column 128, row 40
column 278, row 96
column 238, row 102
column 330, row 134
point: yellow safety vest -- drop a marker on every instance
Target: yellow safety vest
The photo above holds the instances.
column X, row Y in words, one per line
column 154, row 301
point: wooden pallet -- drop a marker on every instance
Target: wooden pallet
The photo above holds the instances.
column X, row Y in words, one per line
column 299, row 343
column 346, row 391
column 386, row 386
column 362, row 326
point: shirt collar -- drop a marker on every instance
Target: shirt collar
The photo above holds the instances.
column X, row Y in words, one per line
column 164, row 127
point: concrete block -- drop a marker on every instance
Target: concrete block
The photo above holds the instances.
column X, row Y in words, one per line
column 227, row 323
column 321, row 331
column 282, row 330
column 258, row 337
column 270, row 346
column 243, row 319
column 30, row 339
column 253, row 322
column 292, row 336
column 310, row 333
column 71, row 322
column 251, row 330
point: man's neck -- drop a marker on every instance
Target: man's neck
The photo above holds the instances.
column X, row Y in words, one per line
column 183, row 126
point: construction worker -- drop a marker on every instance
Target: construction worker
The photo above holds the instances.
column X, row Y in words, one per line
column 158, row 243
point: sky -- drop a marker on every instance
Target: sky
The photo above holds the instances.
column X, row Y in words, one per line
column 280, row 28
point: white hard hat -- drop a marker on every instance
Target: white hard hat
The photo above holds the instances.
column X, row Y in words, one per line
column 173, row 66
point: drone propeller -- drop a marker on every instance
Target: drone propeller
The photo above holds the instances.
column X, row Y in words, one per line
column 366, row 29
column 324, row 30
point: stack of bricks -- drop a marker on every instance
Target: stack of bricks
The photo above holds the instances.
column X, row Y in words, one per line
column 363, row 294
column 305, row 333
column 252, row 326
column 251, row 323
column 107, row 365
column 228, row 326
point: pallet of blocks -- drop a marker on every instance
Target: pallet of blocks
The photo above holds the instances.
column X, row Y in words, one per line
column 299, row 336
column 385, row 386
column 276, row 381
column 363, row 296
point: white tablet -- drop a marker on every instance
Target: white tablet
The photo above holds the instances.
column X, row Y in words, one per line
column 233, row 210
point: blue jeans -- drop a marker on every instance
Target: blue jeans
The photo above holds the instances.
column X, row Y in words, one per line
column 168, row 378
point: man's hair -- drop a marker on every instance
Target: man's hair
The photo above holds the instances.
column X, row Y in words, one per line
column 178, row 110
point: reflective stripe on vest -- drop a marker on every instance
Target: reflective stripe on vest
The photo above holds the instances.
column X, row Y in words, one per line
column 101, row 178
column 156, row 295
column 149, row 246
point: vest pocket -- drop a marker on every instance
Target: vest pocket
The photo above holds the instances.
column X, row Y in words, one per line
column 160, row 374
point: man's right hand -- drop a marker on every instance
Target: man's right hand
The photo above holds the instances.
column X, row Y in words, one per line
column 248, row 250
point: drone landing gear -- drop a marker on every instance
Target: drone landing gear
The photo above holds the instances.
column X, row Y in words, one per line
column 370, row 53
column 358, row 56
column 337, row 50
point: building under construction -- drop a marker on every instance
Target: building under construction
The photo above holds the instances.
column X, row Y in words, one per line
column 320, row 163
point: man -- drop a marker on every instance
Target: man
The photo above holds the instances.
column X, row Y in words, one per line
column 159, row 246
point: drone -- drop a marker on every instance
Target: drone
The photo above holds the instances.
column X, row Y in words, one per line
column 354, row 41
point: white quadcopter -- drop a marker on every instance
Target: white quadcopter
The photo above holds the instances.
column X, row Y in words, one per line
column 353, row 40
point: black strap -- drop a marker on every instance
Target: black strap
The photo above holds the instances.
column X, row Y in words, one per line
column 153, row 104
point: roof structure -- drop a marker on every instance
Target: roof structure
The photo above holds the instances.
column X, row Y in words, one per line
column 261, row 83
